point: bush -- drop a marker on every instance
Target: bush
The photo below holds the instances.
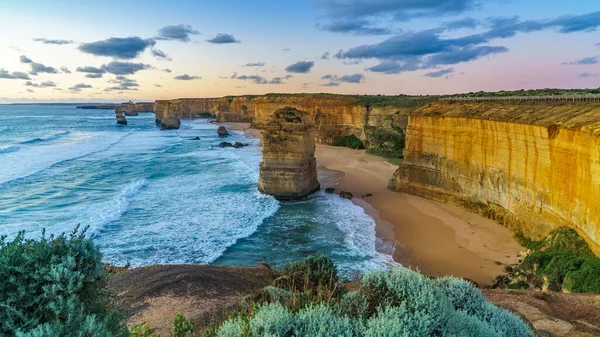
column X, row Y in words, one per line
column 349, row 141
column 387, row 303
column 55, row 287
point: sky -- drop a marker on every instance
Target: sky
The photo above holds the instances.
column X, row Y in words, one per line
column 113, row 51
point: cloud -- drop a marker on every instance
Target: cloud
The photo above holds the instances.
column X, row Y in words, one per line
column 178, row 32
column 325, row 56
column 255, row 64
column 94, row 75
column 286, row 49
column 300, row 67
column 586, row 61
column 25, row 59
column 254, row 78
column 460, row 24
column 40, row 68
column 89, row 69
column 222, row 39
column 29, row 90
column 276, row 80
column 456, row 55
column 45, row 84
column 124, row 68
column 186, row 77
column 65, row 70
column 387, row 67
column 399, row 10
column 79, row 86
column 584, row 75
column 355, row 27
column 124, row 84
column 158, row 85
column 119, row 48
column 159, row 54
column 335, row 80
column 15, row 75
column 440, row 73
column 167, row 70
column 53, row 41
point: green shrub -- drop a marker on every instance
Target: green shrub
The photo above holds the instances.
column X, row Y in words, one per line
column 349, row 141
column 387, row 303
column 586, row 279
column 181, row 326
column 55, row 287
column 311, row 273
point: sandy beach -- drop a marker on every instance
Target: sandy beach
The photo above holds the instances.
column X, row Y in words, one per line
column 435, row 238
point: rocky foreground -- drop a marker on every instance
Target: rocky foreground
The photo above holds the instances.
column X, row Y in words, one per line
column 204, row 293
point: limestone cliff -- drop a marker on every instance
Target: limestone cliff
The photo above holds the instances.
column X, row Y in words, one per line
column 531, row 166
column 381, row 127
column 171, row 118
column 288, row 170
column 120, row 117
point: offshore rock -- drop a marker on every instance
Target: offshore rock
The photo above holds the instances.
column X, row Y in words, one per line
column 160, row 108
column 130, row 109
column 121, row 120
column 346, row 195
column 171, row 118
column 225, row 144
column 288, row 170
column 238, row 145
column 222, row 131
column 531, row 166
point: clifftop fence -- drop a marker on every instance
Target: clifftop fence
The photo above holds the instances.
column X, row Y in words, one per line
column 572, row 98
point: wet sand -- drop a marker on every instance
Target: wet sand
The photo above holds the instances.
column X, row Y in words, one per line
column 435, row 238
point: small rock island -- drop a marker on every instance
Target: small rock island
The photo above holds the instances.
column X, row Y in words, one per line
column 289, row 168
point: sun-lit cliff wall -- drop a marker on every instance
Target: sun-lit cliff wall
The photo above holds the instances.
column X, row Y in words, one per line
column 531, row 166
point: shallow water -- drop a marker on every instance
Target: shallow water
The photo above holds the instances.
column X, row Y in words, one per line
column 152, row 196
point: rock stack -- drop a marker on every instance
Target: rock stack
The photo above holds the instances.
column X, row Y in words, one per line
column 288, row 170
column 130, row 109
column 120, row 118
column 171, row 118
column 222, row 131
column 160, row 108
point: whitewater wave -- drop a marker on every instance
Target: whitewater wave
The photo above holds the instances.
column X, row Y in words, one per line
column 53, row 136
column 9, row 149
column 35, row 159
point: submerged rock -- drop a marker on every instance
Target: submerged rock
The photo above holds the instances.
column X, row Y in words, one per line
column 195, row 138
column 346, row 195
column 329, row 190
column 288, row 170
column 222, row 131
column 237, row 145
column 225, row 144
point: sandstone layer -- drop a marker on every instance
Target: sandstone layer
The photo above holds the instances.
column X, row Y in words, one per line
column 289, row 168
column 380, row 127
column 120, row 117
column 171, row 118
column 532, row 166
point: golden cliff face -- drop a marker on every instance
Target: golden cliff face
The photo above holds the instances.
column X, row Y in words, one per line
column 533, row 167
column 289, row 168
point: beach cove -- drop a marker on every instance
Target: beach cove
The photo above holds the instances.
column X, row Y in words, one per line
column 435, row 238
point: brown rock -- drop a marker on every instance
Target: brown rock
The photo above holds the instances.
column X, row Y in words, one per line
column 238, row 145
column 222, row 131
column 346, row 195
column 120, row 118
column 225, row 144
column 171, row 118
column 329, row 190
column 288, row 170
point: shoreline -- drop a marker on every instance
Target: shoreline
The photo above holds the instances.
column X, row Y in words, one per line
column 435, row 238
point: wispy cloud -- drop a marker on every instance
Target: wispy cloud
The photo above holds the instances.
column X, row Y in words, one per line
column 223, row 39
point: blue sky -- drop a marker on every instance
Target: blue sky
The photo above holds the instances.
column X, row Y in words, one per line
column 146, row 50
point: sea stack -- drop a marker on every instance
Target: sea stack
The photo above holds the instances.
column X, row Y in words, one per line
column 130, row 109
column 222, row 131
column 288, row 170
column 160, row 107
column 120, row 118
column 171, row 118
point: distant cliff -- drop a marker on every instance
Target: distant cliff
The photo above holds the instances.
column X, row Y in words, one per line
column 379, row 121
column 531, row 166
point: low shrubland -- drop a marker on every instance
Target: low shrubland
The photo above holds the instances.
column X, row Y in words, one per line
column 349, row 141
column 561, row 262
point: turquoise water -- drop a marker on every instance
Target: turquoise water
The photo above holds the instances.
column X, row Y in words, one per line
column 152, row 196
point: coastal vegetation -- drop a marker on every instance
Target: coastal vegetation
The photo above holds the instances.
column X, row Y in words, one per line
column 561, row 262
column 351, row 141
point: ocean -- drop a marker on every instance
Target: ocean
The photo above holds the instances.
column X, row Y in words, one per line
column 158, row 197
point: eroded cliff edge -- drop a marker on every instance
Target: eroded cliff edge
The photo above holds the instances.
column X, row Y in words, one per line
column 531, row 166
column 378, row 121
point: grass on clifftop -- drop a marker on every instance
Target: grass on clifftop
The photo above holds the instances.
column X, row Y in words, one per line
column 561, row 262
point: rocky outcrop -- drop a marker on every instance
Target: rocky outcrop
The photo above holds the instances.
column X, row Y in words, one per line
column 222, row 131
column 160, row 108
column 121, row 120
column 171, row 118
column 288, row 170
column 132, row 109
column 532, row 166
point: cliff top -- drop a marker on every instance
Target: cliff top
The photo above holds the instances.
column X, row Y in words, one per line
column 566, row 115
